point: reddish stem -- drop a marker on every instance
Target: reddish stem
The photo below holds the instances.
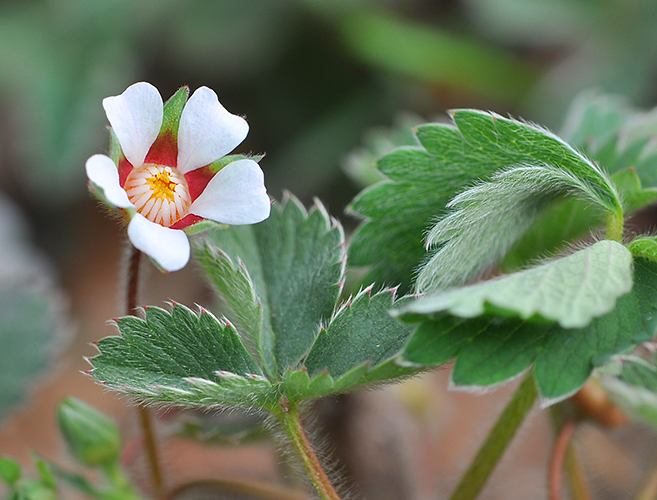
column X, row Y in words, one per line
column 555, row 473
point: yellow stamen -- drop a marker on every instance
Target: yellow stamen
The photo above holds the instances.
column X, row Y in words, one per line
column 158, row 192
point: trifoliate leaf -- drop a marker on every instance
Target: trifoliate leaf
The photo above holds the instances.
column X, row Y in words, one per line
column 490, row 349
column 490, row 217
column 572, row 290
column 296, row 266
column 422, row 182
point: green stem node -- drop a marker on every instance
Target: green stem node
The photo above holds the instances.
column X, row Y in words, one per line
column 497, row 441
column 288, row 414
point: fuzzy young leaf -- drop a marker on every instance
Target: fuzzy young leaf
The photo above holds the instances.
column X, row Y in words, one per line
column 572, row 290
column 296, row 265
column 490, row 217
column 422, row 182
column 490, row 349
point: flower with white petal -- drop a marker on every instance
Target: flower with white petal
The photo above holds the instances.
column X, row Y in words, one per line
column 168, row 170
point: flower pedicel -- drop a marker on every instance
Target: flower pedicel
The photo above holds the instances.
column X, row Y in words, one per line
column 169, row 173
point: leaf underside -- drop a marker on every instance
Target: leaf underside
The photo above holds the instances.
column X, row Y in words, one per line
column 491, row 349
column 571, row 290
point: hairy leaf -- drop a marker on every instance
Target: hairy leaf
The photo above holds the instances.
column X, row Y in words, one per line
column 181, row 358
column 490, row 349
column 572, row 290
column 296, row 268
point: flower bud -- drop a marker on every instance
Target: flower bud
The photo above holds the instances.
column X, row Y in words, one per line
column 92, row 437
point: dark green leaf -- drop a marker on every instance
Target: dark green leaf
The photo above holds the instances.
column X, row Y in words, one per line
column 296, row 263
column 491, row 349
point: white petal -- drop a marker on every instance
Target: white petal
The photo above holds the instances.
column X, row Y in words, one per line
column 136, row 118
column 169, row 248
column 207, row 131
column 103, row 173
column 235, row 195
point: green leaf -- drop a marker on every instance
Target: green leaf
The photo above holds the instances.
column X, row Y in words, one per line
column 490, row 217
column 172, row 110
column 634, row 388
column 361, row 331
column 296, row 265
column 422, row 182
column 181, row 358
column 644, row 247
column 571, row 291
column 490, row 349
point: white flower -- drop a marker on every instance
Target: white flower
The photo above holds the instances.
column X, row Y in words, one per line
column 166, row 179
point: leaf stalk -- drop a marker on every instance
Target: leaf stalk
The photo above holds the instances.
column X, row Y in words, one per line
column 288, row 414
column 497, row 441
column 614, row 226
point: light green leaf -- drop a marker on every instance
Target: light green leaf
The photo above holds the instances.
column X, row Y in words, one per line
column 296, row 265
column 572, row 290
column 635, row 389
column 490, row 349
column 10, row 471
column 644, row 247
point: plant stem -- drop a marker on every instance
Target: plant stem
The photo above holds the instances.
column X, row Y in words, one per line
column 241, row 488
column 648, row 490
column 497, row 441
column 578, row 488
column 144, row 414
column 614, row 226
column 288, row 414
column 558, row 455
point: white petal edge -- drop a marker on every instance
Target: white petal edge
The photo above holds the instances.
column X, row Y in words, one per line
column 102, row 172
column 235, row 195
column 169, row 248
column 207, row 131
column 136, row 118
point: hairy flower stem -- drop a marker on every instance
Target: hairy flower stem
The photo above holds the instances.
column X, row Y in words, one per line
column 288, row 414
column 144, row 414
column 497, row 441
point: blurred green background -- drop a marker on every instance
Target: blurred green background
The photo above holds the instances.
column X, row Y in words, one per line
column 326, row 85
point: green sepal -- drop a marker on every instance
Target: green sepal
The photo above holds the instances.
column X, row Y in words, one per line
column 203, row 226
column 490, row 349
column 217, row 165
column 172, row 111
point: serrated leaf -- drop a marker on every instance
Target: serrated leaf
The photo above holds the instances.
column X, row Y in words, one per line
column 490, row 217
column 572, row 290
column 181, row 358
column 490, row 349
column 361, row 331
column 422, row 182
column 296, row 263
